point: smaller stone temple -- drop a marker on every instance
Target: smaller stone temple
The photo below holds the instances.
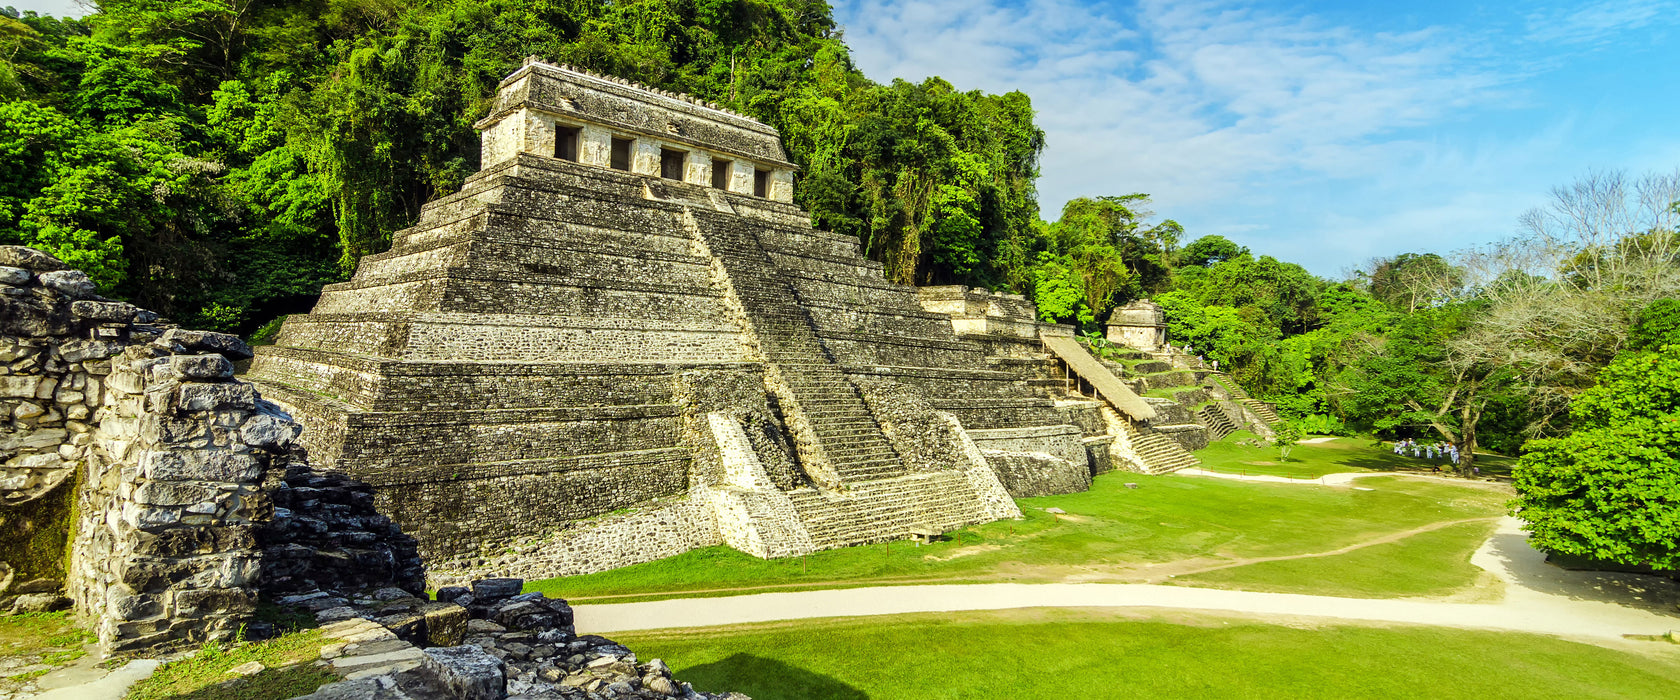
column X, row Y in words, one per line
column 1140, row 324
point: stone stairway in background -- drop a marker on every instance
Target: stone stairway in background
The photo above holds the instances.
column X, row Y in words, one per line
column 1219, row 425
column 1160, row 454
column 1260, row 408
column 846, row 433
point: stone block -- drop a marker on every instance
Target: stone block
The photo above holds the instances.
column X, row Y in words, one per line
column 200, row 367
column 359, row 689
column 104, row 311
column 125, row 381
column 45, row 461
column 201, row 602
column 86, row 350
column 127, row 606
column 157, row 429
column 72, row 283
column 351, row 663
column 213, row 397
column 20, row 386
column 452, row 594
column 192, row 541
column 29, row 259
column 528, row 615
column 15, row 276
column 466, row 672
column 40, row 603
column 446, row 624
column 229, row 346
column 269, row 432
column 490, row 590
column 201, row 465
column 174, row 493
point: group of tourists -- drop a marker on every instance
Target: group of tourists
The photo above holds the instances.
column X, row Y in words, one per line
column 1433, row 451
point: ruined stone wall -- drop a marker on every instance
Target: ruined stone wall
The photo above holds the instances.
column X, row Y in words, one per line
column 170, row 462
column 166, row 547
column 648, row 532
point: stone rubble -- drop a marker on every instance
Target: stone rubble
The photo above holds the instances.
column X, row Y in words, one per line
column 486, row 642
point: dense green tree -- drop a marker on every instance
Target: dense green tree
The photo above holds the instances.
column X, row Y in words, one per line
column 1411, row 281
column 1610, row 489
column 1656, row 326
column 1210, row 250
column 220, row 159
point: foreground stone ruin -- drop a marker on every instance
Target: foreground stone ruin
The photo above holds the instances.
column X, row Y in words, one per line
column 620, row 341
column 486, row 642
column 176, row 491
column 191, row 500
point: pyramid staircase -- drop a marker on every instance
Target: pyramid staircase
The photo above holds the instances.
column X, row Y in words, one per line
column 850, row 440
column 886, row 509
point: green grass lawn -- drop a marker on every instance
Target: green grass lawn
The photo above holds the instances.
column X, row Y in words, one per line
column 1342, row 454
column 1101, row 654
column 288, row 672
column 1110, row 533
column 1434, row 563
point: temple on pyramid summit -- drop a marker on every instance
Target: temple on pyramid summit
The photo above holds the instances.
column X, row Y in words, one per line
column 621, row 341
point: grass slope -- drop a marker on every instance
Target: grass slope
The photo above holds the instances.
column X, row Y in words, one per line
column 1098, row 654
column 1110, row 533
column 1434, row 563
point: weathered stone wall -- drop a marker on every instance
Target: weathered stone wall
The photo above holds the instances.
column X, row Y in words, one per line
column 166, row 547
column 650, row 531
column 1029, row 474
column 172, row 465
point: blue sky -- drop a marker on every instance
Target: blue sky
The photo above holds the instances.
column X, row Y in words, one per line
column 1323, row 133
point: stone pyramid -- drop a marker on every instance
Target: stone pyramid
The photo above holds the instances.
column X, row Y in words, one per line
column 620, row 340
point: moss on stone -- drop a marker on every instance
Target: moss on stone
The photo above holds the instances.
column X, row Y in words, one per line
column 35, row 536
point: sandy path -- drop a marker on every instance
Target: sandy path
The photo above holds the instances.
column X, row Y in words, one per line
column 1540, row 598
column 1337, row 479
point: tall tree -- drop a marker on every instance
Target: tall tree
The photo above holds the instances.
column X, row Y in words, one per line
column 1610, row 490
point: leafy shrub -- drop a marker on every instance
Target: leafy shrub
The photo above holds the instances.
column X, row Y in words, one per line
column 1321, row 424
column 269, row 331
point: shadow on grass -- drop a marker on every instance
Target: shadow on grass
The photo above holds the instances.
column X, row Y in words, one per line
column 1651, row 592
column 766, row 679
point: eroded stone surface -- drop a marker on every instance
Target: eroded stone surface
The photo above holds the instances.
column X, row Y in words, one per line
column 544, row 659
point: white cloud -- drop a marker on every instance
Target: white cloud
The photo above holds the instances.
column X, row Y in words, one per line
column 1215, row 109
column 1598, row 22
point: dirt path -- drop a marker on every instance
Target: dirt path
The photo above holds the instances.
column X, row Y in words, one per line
column 1170, row 570
column 1540, row 598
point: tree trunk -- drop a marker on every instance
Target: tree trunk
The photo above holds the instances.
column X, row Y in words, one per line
column 1469, row 415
